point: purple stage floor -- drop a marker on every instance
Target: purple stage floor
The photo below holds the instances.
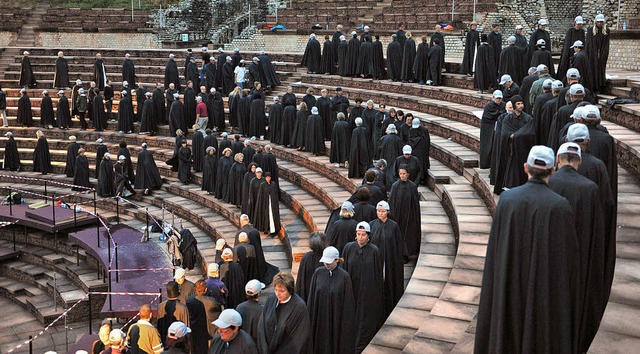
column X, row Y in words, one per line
column 42, row 219
column 132, row 254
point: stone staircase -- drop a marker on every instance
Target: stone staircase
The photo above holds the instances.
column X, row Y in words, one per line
column 26, row 38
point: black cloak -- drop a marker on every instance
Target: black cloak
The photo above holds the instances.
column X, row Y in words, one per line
column 81, row 173
column 148, row 119
column 216, row 114
column 335, row 42
column 265, row 270
column 525, row 89
column 269, row 164
column 559, row 120
column 421, row 63
column 435, row 66
column 147, row 174
column 266, row 68
column 581, row 62
column 487, row 126
column 11, row 159
column 123, row 151
column 597, row 48
column 570, row 37
column 125, row 114
column 529, row 294
column 352, row 56
column 299, row 129
column 311, row 57
column 248, row 153
column 122, row 179
column 275, row 123
column 101, row 149
column 192, row 74
column 543, row 56
column 521, row 143
column 129, row 72
column 485, row 73
column 61, row 73
column 495, row 41
column 505, row 159
column 308, row 265
column 420, row 143
column 339, row 143
column 389, row 148
column 511, row 63
column 160, row 110
column 309, row 100
column 228, row 78
column 99, row 114
column 233, row 109
column 365, row 60
column 314, row 139
column 176, row 118
column 471, row 44
column 46, row 111
column 394, row 60
column 413, row 166
column 332, row 306
column 324, row 106
column 327, row 62
column 200, row 335
column 196, row 143
column 141, row 96
column 171, row 75
column 245, row 255
column 246, row 192
column 184, row 164
column 284, row 328
column 342, row 232
column 25, row 114
column 105, row 187
column 42, row 157
column 359, row 158
column 222, row 174
column 224, row 143
column 235, row 179
column 209, row 169
column 543, row 123
column 404, row 201
column 541, row 129
column 232, row 276
column 72, row 153
column 343, row 48
column 244, row 114
column 27, row 79
column 388, row 237
column 189, row 108
column 440, row 38
column 257, row 118
column 408, row 58
column 377, row 59
column 210, row 76
column 250, row 311
column 287, row 124
column 267, row 208
column 364, row 265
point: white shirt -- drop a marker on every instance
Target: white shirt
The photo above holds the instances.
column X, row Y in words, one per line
column 240, row 72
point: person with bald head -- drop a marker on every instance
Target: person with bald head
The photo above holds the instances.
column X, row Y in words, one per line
column 142, row 336
column 245, row 254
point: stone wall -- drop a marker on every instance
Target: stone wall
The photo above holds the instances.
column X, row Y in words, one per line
column 5, row 38
column 98, row 40
column 624, row 51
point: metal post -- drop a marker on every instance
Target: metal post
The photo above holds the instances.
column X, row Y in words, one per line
column 75, row 214
column 66, row 335
column 53, row 208
column 14, row 238
column 77, row 255
column 116, row 251
column 45, row 191
column 90, row 315
column 160, row 291
column 55, row 286
column 109, row 288
column 131, row 10
column 10, row 201
column 30, row 344
column 474, row 10
column 117, row 209
column 98, row 229
column 95, row 208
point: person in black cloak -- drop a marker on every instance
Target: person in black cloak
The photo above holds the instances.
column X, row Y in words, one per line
column 148, row 119
column 147, row 174
column 258, row 118
column 61, row 73
column 171, row 75
column 215, row 109
column 584, row 197
column 27, row 79
column 421, row 62
column 563, row 115
column 382, row 120
column 224, row 143
column 548, row 110
column 236, row 57
column 581, row 62
column 124, row 151
column 377, row 189
column 209, row 169
column 363, row 262
column 128, row 70
column 332, row 306
column 81, row 172
column 233, row 278
column 267, row 207
column 335, row 41
column 525, row 88
column 377, row 59
column 471, row 44
column 543, row 56
column 234, row 99
column 339, row 142
column 11, row 160
column 311, row 57
column 341, row 231
column 517, row 133
column 522, row 43
column 386, row 234
column 368, row 116
column 575, row 33
column 101, row 149
column 405, row 210
column 184, row 162
column 251, row 309
column 284, row 326
column 485, row 73
column 390, row 146
column 314, row 140
column 541, row 100
column 597, row 47
column 495, row 149
column 192, row 73
column 356, row 112
column 269, row 164
column 540, row 33
column 189, row 106
column 125, row 113
column 299, row 128
column 72, row 153
column 244, row 112
column 289, row 98
column 159, row 109
column 245, row 254
column 437, row 34
column 168, row 93
column 365, row 58
column 359, row 157
column 171, row 310
column 394, row 59
column 510, row 61
column 411, row 163
column 265, row 270
column 41, row 155
column 141, row 96
column 509, row 88
column 254, row 72
column 108, row 98
column 310, row 262
column 353, row 50
column 420, row 142
column 105, row 187
column 546, row 294
column 343, row 48
column 197, row 141
column 492, row 111
column 230, row 337
column 495, row 41
column 176, row 116
column 309, row 99
column 199, row 318
column 363, row 211
column 401, row 34
column 248, row 151
column 46, row 110
column 246, row 186
column 276, row 121
column 99, row 114
column 210, row 73
column 123, row 186
column 408, row 59
column 236, row 179
column 327, row 62
column 287, row 126
column 222, row 173
column 209, row 140
column 434, row 75
column 99, row 73
column 25, row 114
column 228, row 77
column 271, row 78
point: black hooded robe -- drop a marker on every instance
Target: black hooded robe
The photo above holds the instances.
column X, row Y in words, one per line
column 314, row 139
column 487, row 126
column 267, row 208
column 235, row 185
column 147, row 174
column 408, row 59
column 435, row 66
column 200, row 335
column 521, row 143
column 343, row 48
column 176, row 118
column 99, row 114
column 257, row 118
column 394, row 61
column 352, row 56
column 570, row 37
column 266, row 68
column 324, row 106
column 511, row 63
column 72, row 153
column 123, row 151
column 217, row 111
column 171, row 75
column 485, row 73
column 99, row 74
column 597, row 49
column 105, row 187
column 299, row 129
column 359, row 157
column 149, row 119
column 184, row 164
column 327, row 62
column 506, row 160
column 244, row 114
column 129, row 72
column 420, row 142
column 209, row 170
column 27, row 79
column 339, row 143
column 529, row 294
column 388, row 237
column 275, row 123
column 404, row 202
column 81, row 173
column 421, row 63
column 189, row 108
column 160, row 110
column 197, row 141
column 224, row 165
column 61, row 73
column 42, row 157
column 125, row 114
column 377, row 59
column 233, row 278
column 365, row 60
column 308, row 265
column 11, row 159
column 284, row 328
column 228, row 78
column 46, row 111
column 471, row 44
column 287, row 124
column 312, row 57
column 245, row 255
column 25, row 114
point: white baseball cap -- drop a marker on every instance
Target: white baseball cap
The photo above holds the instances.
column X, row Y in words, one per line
column 213, row 269
column 505, row 78
column 541, row 157
column 347, row 205
column 543, row 21
column 178, row 330
column 547, row 83
column 578, row 133
column 497, row 94
column 599, row 18
column 363, row 225
column 557, row 84
column 519, row 27
column 579, row 20
column 541, row 42
column 541, row 67
column 578, row 44
column 570, row 148
column 573, row 73
column 407, row 149
column 228, row 318
column 253, row 287
column 576, row 89
column 180, row 272
column 382, row 204
column 329, row 255
column 591, row 110
column 415, row 123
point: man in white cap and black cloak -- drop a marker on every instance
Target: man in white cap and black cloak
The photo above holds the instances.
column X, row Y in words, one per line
column 27, row 79
column 575, row 33
column 171, row 75
column 359, row 155
column 147, row 174
column 597, row 44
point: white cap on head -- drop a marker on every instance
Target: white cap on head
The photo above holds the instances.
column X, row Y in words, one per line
column 314, row 110
column 255, row 59
column 541, row 67
column 511, row 39
column 25, row 53
column 148, row 94
column 121, row 158
column 254, row 287
column 358, row 121
column 557, row 85
column 570, row 148
column 178, row 330
column 578, row 44
column 391, row 129
column 329, row 255
column 415, row 123
column 45, row 92
column 213, row 269
column 259, row 169
column 519, row 27
column 82, row 352
column 180, row 272
column 366, row 27
column 81, row 90
column 407, row 149
column 24, row 90
column 547, row 83
column 227, row 252
column 577, row 113
column 541, row 42
column 61, row 92
column 79, row 82
column 107, row 155
column 8, row 134
column 198, row 98
column 176, row 95
column 312, row 35
column 347, row 205
column 383, row 205
column 343, row 38
column 212, row 90
column 541, row 157
column 497, row 94
column 573, row 73
column 220, row 243
column 363, row 225
column 228, row 318
column 576, row 89
column 224, row 134
column 599, row 18
column 72, row 138
column 543, row 21
column 353, row 33
column 578, row 132
column 505, row 78
column 579, row 20
column 220, row 50
column 144, row 145
column 591, row 112
column 204, row 49
column 228, row 58
column 124, row 92
column 171, row 55
column 116, row 335
column 99, row 140
column 125, row 83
